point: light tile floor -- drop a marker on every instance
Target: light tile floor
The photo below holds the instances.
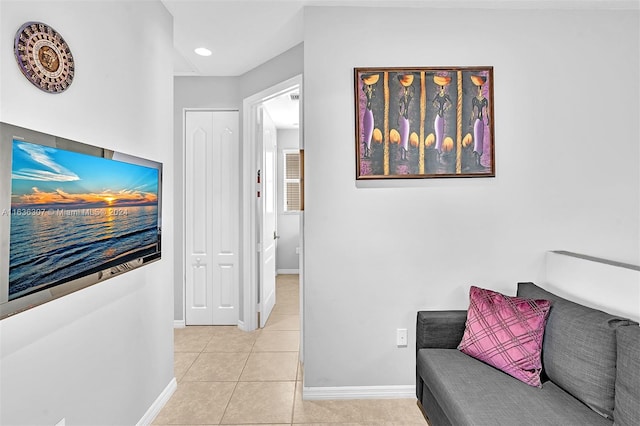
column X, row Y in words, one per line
column 227, row 376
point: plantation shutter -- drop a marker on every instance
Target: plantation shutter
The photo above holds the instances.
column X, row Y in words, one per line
column 291, row 181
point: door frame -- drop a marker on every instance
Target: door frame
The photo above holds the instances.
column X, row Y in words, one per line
column 249, row 240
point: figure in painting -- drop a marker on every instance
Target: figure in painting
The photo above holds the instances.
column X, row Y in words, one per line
column 406, row 80
column 368, row 87
column 442, row 103
column 479, row 105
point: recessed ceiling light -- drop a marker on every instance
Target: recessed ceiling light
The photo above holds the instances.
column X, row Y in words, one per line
column 203, row 51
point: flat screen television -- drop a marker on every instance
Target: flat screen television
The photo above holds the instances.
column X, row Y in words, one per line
column 71, row 215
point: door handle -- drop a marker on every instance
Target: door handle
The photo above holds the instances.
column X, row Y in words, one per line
column 275, row 236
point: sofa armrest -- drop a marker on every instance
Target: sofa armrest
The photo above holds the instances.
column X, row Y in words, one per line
column 440, row 329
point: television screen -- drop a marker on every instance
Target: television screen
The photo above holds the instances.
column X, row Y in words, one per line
column 75, row 218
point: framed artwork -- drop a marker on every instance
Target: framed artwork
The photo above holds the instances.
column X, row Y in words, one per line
column 424, row 122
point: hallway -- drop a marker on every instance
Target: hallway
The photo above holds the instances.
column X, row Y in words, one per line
column 227, row 376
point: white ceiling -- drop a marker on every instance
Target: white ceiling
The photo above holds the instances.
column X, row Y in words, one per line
column 284, row 111
column 246, row 33
column 243, row 34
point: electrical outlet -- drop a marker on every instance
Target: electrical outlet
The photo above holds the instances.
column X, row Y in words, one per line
column 402, row 337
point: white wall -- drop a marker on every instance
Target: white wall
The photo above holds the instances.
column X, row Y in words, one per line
column 104, row 354
column 608, row 286
column 566, row 138
column 288, row 223
column 281, row 68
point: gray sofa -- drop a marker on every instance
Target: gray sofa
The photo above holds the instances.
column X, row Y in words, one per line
column 591, row 371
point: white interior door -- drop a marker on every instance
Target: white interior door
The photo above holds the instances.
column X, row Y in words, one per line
column 212, row 223
column 267, row 213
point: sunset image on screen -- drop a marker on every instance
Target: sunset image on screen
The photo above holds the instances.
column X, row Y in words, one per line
column 75, row 214
column 49, row 177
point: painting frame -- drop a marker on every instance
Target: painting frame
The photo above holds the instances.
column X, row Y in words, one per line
column 424, row 122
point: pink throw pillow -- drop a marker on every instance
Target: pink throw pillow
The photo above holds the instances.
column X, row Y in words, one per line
column 506, row 332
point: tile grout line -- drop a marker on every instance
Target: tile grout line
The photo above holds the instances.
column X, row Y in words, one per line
column 226, row 407
column 209, row 337
column 295, row 390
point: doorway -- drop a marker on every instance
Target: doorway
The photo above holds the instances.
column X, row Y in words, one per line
column 253, row 230
column 283, row 111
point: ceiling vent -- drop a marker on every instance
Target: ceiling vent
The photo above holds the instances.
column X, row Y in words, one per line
column 294, row 96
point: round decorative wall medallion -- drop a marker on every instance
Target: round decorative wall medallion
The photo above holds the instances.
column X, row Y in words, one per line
column 44, row 57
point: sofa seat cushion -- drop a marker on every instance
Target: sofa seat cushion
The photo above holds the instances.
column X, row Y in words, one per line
column 579, row 349
column 471, row 392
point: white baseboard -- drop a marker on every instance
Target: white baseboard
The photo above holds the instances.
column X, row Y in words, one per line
column 179, row 324
column 288, row 272
column 359, row 392
column 157, row 405
column 242, row 326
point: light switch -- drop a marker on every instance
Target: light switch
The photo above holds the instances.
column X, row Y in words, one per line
column 402, row 337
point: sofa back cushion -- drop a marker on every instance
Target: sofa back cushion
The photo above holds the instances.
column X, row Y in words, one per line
column 627, row 411
column 579, row 349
